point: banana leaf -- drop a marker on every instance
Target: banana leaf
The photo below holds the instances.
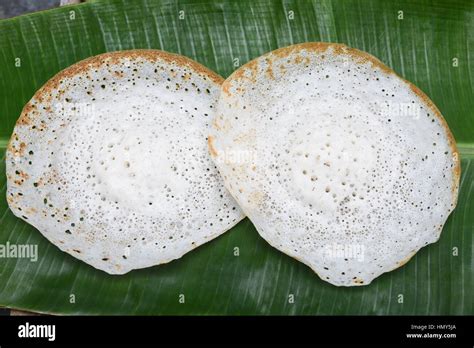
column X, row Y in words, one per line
column 427, row 42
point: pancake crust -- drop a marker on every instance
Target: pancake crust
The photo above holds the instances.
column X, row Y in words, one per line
column 339, row 162
column 109, row 160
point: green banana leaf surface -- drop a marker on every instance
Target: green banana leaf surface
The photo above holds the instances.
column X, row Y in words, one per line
column 430, row 43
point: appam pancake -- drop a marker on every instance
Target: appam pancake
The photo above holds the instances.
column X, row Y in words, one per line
column 109, row 160
column 338, row 162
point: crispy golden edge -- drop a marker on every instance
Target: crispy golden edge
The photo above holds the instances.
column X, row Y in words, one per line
column 112, row 58
column 359, row 57
column 210, row 143
column 98, row 61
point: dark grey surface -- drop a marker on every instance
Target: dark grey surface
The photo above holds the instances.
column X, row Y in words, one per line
column 12, row 8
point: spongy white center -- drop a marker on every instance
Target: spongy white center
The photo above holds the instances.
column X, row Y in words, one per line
column 118, row 171
column 351, row 172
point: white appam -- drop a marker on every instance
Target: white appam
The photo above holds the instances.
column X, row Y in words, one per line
column 337, row 161
column 109, row 160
